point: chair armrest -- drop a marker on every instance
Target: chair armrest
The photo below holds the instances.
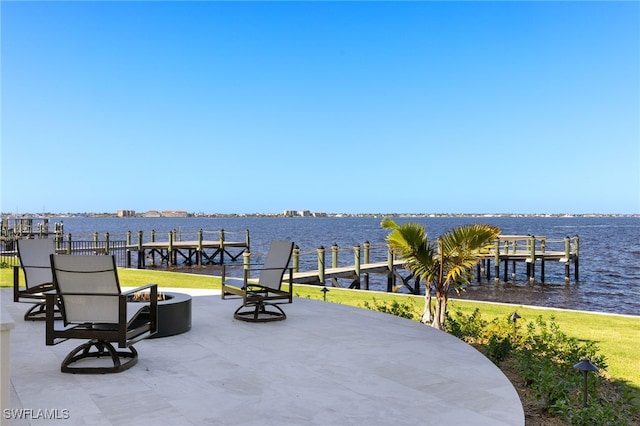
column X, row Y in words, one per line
column 260, row 269
column 16, row 282
column 232, row 286
column 233, row 281
column 50, row 302
column 287, row 277
column 123, row 316
column 153, row 298
column 138, row 289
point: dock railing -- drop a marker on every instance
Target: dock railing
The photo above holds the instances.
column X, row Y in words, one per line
column 67, row 244
column 529, row 249
column 192, row 247
column 352, row 263
column 168, row 248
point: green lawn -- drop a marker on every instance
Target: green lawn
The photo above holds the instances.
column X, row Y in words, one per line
column 616, row 336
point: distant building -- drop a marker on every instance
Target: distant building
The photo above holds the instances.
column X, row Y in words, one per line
column 152, row 213
column 174, row 213
column 319, row 214
column 289, row 213
column 304, row 213
column 126, row 213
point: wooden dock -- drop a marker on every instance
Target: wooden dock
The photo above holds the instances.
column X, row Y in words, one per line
column 507, row 250
column 529, row 249
column 358, row 275
column 197, row 252
column 26, row 228
column 174, row 250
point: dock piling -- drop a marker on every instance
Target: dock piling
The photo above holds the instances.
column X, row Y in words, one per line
column 141, row 264
column 321, row 265
column 222, row 246
column 170, row 250
column 334, row 255
column 295, row 262
column 356, row 263
column 152, row 253
column 365, row 276
column 532, row 264
column 543, row 246
column 575, row 258
column 246, row 262
column 391, row 276
column 496, row 262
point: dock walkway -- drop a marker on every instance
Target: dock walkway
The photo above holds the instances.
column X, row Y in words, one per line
column 198, row 252
column 359, row 275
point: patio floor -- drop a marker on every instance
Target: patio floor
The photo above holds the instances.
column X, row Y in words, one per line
column 326, row 364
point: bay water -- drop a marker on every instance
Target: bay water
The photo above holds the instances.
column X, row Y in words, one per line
column 609, row 261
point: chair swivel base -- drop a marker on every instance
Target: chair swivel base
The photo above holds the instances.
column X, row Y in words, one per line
column 258, row 312
column 38, row 312
column 102, row 349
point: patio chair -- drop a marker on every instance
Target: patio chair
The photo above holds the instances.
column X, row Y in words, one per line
column 260, row 299
column 36, row 268
column 93, row 307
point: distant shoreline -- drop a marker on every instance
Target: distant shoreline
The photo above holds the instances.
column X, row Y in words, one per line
column 315, row 215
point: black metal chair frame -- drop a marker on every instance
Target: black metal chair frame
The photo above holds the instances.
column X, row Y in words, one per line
column 259, row 302
column 102, row 335
column 32, row 293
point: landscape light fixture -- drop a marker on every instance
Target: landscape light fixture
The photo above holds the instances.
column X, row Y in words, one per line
column 325, row 290
column 514, row 317
column 585, row 366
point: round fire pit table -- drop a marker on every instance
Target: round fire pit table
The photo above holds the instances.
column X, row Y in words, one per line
column 174, row 314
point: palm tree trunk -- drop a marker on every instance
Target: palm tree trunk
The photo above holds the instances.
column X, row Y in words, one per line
column 440, row 293
column 427, row 313
column 441, row 309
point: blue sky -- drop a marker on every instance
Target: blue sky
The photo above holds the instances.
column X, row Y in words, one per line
column 377, row 107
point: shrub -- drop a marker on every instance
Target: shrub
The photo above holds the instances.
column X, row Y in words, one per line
column 544, row 357
column 402, row 310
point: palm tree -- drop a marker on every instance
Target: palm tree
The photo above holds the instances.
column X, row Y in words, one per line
column 444, row 264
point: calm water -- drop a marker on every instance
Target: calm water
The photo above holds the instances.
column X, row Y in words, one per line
column 609, row 251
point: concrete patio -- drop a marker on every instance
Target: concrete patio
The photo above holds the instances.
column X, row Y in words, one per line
column 326, row 364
